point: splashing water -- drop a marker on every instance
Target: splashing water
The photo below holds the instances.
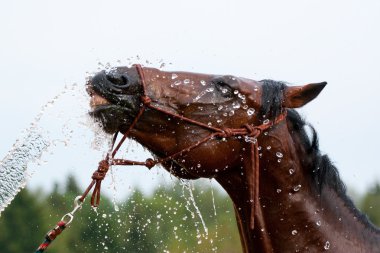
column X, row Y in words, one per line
column 187, row 185
column 114, row 189
column 13, row 168
column 37, row 140
column 214, row 249
column 29, row 148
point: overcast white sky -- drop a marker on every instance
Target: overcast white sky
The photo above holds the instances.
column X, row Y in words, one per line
column 45, row 45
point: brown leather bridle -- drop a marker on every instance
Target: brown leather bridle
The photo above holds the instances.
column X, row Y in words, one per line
column 146, row 102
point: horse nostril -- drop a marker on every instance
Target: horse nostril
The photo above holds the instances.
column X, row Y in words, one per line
column 117, row 79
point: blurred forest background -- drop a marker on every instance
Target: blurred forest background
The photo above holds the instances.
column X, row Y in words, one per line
column 182, row 217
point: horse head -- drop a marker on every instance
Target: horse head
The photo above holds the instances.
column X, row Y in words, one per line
column 223, row 102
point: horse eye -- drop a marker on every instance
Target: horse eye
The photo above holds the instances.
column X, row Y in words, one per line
column 223, row 87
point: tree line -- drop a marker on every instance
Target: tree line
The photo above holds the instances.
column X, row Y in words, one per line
column 174, row 218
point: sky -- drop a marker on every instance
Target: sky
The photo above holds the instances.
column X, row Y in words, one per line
column 46, row 45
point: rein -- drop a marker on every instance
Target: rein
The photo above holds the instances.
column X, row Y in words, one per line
column 247, row 130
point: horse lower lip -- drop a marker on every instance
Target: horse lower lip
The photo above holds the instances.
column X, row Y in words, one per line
column 97, row 100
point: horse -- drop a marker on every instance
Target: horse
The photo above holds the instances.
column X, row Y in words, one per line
column 248, row 136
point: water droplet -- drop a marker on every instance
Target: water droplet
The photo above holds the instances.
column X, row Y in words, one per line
column 203, row 82
column 297, row 188
column 250, row 139
column 279, row 154
column 250, row 111
column 294, row 232
column 231, row 113
column 186, row 81
column 269, row 148
column 245, row 107
column 211, row 89
column 220, row 107
column 265, row 122
column 224, row 90
column 174, row 76
column 177, row 82
column 318, row 223
column 236, row 92
column 291, row 171
column 235, row 105
column 199, row 165
column 104, row 215
column 279, row 190
column 327, row 245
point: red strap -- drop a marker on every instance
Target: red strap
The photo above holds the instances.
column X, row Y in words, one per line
column 51, row 235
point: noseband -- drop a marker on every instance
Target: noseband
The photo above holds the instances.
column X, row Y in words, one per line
column 146, row 102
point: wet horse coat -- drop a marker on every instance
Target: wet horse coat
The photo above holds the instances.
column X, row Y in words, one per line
column 302, row 205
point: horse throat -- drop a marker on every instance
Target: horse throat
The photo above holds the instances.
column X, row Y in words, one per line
column 294, row 216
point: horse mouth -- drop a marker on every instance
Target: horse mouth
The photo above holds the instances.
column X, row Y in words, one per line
column 96, row 100
column 114, row 99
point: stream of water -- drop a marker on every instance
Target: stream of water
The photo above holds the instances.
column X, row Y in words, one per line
column 13, row 168
column 37, row 140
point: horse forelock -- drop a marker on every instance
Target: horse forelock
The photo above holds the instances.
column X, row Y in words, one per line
column 272, row 99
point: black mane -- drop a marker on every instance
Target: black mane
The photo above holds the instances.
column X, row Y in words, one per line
column 321, row 170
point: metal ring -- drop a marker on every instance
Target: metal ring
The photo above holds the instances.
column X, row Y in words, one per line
column 70, row 218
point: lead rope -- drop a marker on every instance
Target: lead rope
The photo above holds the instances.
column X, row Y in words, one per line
column 104, row 165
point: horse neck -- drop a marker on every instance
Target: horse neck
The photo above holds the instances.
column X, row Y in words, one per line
column 294, row 216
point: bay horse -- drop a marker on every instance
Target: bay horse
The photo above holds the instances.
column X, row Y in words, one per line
column 246, row 134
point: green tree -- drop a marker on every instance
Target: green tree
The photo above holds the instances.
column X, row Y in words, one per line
column 371, row 204
column 170, row 219
column 19, row 222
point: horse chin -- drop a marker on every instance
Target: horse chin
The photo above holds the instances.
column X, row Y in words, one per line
column 113, row 118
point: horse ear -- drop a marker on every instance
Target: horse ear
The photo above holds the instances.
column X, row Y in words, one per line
column 298, row 96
